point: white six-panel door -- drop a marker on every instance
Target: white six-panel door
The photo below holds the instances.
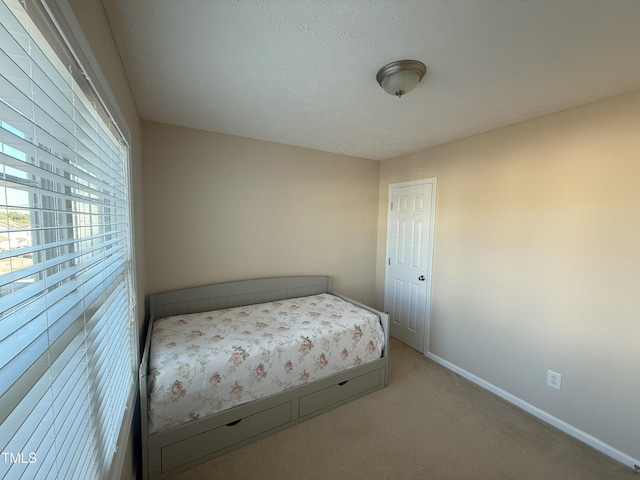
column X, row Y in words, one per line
column 410, row 231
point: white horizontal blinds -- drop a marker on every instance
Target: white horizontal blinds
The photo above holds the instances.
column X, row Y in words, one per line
column 67, row 361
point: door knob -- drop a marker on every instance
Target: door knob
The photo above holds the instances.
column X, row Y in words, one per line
column 421, row 278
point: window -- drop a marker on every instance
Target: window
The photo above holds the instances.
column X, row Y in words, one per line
column 68, row 350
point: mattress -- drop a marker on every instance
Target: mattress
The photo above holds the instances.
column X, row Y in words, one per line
column 203, row 363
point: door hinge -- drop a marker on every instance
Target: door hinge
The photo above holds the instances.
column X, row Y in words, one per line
column 389, row 263
column 391, row 205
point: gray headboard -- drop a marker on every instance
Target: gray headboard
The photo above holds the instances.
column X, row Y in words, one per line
column 235, row 294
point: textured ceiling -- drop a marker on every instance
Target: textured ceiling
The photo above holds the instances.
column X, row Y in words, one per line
column 303, row 72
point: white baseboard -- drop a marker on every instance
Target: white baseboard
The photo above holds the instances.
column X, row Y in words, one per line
column 541, row 414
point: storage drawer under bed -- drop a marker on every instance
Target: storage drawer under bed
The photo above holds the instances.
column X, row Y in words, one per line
column 313, row 402
column 185, row 451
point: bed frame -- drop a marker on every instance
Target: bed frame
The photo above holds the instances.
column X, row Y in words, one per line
column 169, row 452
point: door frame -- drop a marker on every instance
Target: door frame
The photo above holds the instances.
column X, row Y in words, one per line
column 430, row 237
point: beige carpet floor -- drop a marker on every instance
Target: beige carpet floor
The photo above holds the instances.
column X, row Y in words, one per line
column 429, row 423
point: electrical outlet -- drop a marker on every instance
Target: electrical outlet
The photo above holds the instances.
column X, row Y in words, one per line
column 554, row 379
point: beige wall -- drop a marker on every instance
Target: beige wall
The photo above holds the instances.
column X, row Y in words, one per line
column 95, row 28
column 537, row 261
column 221, row 208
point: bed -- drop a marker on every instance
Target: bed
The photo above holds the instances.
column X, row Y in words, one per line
column 227, row 364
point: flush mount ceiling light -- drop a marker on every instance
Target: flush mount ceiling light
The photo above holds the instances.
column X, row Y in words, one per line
column 399, row 78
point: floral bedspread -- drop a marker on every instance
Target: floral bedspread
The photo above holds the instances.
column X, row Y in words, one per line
column 204, row 363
